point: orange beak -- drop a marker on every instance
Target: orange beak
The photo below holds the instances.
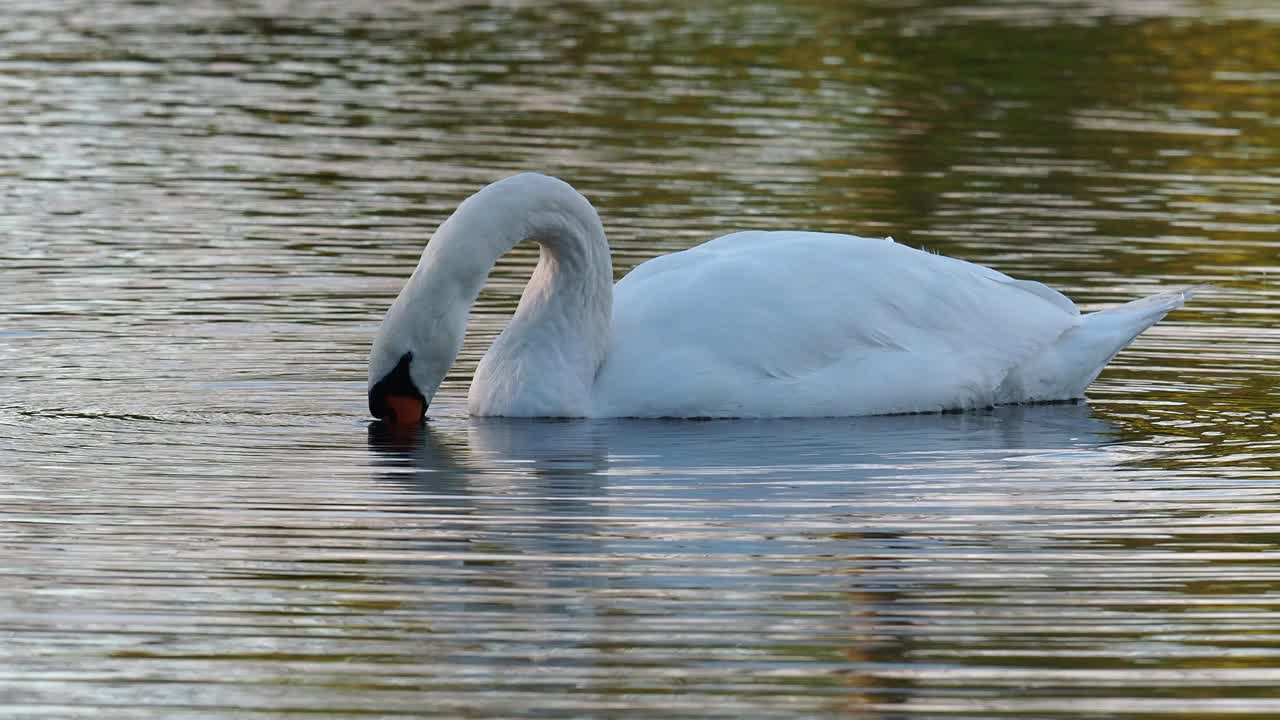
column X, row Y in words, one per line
column 406, row 409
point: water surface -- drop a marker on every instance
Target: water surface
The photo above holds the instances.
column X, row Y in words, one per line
column 206, row 207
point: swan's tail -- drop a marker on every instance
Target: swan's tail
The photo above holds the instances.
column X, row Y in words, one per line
column 1064, row 370
column 1121, row 324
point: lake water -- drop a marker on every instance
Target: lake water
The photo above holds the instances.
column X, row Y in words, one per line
column 206, row 206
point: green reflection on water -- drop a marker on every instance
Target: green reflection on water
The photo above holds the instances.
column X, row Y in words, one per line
column 1105, row 149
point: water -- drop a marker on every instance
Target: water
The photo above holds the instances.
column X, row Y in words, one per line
column 206, row 207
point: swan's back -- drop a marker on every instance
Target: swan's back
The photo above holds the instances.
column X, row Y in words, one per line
column 772, row 324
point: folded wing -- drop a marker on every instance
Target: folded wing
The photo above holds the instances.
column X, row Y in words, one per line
column 773, row 324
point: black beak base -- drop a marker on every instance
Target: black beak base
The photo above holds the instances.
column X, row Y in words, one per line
column 396, row 382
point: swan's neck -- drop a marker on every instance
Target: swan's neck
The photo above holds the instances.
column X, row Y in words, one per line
column 545, row 362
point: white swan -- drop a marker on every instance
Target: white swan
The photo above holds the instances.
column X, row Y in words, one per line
column 753, row 324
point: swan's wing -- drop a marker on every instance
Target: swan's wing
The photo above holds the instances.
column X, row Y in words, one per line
column 791, row 323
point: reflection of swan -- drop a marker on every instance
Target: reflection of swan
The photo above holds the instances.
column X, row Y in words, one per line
column 587, row 459
column 583, row 491
column 749, row 325
column 636, row 546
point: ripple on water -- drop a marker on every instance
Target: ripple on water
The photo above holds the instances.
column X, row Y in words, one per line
column 208, row 206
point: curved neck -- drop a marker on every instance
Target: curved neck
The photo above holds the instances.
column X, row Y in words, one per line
column 508, row 212
column 546, row 359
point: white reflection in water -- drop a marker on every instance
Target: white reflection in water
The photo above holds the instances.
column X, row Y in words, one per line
column 807, row 451
column 746, row 484
column 207, row 206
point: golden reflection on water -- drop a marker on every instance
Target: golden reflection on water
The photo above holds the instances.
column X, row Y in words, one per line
column 205, row 208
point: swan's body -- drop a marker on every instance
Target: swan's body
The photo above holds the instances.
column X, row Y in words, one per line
column 753, row 324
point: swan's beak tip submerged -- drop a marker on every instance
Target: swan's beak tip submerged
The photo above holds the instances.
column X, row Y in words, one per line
column 405, row 409
column 395, row 399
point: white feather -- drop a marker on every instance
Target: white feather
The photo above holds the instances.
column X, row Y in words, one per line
column 753, row 324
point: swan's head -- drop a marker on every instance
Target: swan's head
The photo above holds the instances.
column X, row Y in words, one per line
column 396, row 397
column 412, row 352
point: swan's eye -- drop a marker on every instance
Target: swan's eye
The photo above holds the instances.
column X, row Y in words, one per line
column 395, row 398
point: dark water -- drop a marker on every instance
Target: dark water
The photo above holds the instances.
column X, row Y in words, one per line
column 205, row 207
